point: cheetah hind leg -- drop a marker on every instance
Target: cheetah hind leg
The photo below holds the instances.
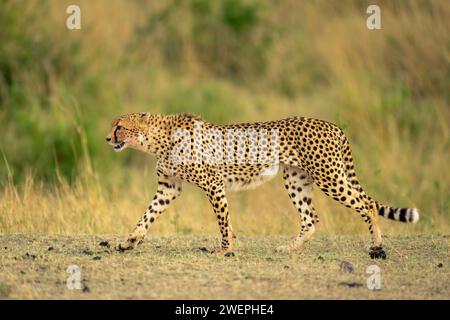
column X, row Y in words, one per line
column 299, row 186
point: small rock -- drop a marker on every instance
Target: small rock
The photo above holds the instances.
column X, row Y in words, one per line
column 50, row 249
column 346, row 267
column 351, row 284
column 440, row 265
column 104, row 243
column 96, row 258
column 87, row 252
column 29, row 256
column 6, row 248
column 377, row 253
column 286, row 267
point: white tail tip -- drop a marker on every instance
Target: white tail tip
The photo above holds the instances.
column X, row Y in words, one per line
column 414, row 215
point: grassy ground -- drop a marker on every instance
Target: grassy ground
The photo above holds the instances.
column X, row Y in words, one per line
column 34, row 266
column 228, row 61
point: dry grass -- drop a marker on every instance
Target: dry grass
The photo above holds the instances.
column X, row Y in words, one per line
column 90, row 208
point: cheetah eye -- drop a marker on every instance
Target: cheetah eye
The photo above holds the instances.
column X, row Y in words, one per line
column 117, row 129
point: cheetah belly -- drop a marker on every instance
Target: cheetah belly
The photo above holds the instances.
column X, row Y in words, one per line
column 237, row 182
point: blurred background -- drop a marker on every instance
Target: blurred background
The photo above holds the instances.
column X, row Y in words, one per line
column 227, row 61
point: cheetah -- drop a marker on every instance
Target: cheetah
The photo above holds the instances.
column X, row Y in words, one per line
column 218, row 158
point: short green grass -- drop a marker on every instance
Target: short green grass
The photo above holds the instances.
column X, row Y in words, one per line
column 33, row 266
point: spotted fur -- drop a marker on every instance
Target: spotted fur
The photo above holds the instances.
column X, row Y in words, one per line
column 309, row 152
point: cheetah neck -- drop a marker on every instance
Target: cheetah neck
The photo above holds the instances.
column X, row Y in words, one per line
column 156, row 129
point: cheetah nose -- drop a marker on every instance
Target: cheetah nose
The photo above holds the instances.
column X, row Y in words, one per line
column 108, row 139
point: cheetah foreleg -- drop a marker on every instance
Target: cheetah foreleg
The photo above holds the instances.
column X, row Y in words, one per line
column 216, row 195
column 167, row 191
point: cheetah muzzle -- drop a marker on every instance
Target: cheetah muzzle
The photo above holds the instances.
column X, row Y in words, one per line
column 119, row 146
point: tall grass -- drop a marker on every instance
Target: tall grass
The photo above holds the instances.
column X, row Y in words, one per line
column 228, row 61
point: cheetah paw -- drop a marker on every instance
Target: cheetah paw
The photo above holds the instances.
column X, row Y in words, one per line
column 127, row 245
column 121, row 247
column 228, row 252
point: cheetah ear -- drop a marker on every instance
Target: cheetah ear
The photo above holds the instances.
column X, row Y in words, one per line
column 144, row 117
column 115, row 122
column 147, row 117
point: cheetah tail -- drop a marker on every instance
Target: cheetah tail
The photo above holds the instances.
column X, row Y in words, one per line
column 408, row 215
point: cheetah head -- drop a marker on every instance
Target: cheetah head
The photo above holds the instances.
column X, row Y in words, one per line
column 126, row 131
